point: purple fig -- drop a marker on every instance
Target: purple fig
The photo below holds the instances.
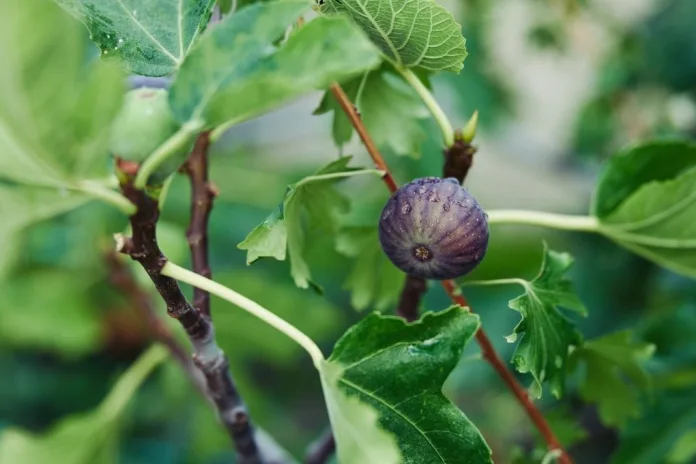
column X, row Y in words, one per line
column 434, row 229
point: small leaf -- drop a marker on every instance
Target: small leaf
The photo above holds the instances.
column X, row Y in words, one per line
column 410, row 33
column 234, row 73
column 398, row 368
column 610, row 361
column 57, row 106
column 645, row 201
column 374, row 280
column 684, row 450
column 391, row 111
column 90, row 438
column 151, row 36
column 651, row 438
column 312, row 201
column 546, row 334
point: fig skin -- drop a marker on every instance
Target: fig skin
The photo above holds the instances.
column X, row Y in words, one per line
column 144, row 123
column 433, row 228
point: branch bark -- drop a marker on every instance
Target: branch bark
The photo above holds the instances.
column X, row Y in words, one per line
column 457, row 163
column 208, row 357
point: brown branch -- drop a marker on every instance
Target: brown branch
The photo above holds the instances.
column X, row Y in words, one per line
column 208, row 358
column 458, row 167
column 202, row 194
column 321, row 450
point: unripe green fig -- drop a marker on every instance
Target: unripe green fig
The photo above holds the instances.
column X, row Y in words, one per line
column 144, row 123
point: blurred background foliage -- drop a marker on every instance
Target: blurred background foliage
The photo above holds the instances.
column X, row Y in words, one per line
column 559, row 85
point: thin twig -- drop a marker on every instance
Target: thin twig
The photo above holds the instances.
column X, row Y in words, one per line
column 139, row 300
column 208, row 357
column 202, row 194
column 482, row 339
column 322, row 449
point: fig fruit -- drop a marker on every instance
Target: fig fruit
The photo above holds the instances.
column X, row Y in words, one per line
column 145, row 122
column 434, row 229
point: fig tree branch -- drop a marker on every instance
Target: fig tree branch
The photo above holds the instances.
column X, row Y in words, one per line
column 208, row 357
column 482, row 339
column 203, row 192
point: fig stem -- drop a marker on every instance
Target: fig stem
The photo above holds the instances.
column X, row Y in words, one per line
column 101, row 191
column 170, row 147
column 184, row 275
column 339, row 175
column 540, row 218
column 432, row 104
column 492, row 282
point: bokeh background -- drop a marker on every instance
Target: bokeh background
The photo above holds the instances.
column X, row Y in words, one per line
column 560, row 85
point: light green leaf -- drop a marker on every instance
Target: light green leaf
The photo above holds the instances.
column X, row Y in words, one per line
column 398, row 368
column 547, row 335
column 234, row 73
column 373, row 280
column 391, row 111
column 610, row 361
column 650, row 439
column 59, row 317
column 56, row 106
column 90, row 438
column 151, row 36
column 684, row 450
column 410, row 33
column 311, row 203
column 646, row 202
column 21, row 207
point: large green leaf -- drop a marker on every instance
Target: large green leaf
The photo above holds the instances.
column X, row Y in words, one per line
column 653, row 437
column 234, row 73
column 609, row 362
column 547, row 336
column 59, row 317
column 389, row 108
column 56, row 106
column 373, row 280
column 21, row 207
column 398, row 368
column 90, row 438
column 410, row 33
column 646, row 201
column 151, row 36
column 283, row 231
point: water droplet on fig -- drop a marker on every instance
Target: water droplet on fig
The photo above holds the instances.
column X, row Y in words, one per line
column 433, row 197
column 406, row 208
column 446, row 206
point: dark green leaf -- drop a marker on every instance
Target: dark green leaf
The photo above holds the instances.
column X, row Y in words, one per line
column 610, row 361
column 399, row 368
column 650, row 439
column 389, row 108
column 234, row 73
column 547, row 335
column 373, row 280
column 409, row 33
column 56, row 106
column 646, row 202
column 311, row 203
column 151, row 36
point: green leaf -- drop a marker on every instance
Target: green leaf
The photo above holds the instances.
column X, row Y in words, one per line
column 389, row 108
column 684, row 450
column 59, row 317
column 410, row 33
column 547, row 335
column 57, row 107
column 90, row 438
column 151, row 36
column 646, row 202
column 234, row 73
column 398, row 368
column 373, row 280
column 313, row 202
column 650, row 439
column 610, row 361
column 21, row 207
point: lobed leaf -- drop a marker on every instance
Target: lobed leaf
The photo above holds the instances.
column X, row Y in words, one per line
column 151, row 37
column 547, row 335
column 398, row 368
column 410, row 33
column 235, row 72
column 610, row 362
